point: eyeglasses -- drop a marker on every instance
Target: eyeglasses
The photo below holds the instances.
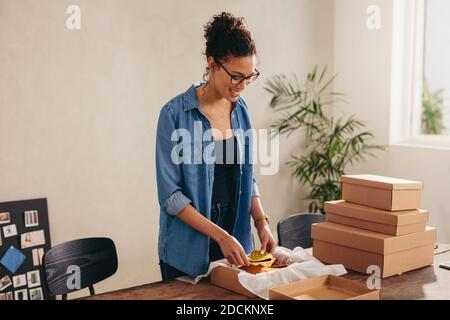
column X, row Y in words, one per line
column 237, row 80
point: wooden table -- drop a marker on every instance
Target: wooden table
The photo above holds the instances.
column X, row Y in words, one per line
column 430, row 283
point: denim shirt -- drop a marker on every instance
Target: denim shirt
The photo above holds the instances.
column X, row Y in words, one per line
column 190, row 181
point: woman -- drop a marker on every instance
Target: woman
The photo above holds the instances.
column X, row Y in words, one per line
column 206, row 186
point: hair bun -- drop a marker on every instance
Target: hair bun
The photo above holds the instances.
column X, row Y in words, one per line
column 227, row 22
column 227, row 35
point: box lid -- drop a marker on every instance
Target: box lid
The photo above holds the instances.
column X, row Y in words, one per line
column 369, row 240
column 381, row 182
column 326, row 287
column 395, row 218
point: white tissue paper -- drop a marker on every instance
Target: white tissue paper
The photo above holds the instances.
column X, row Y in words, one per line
column 303, row 266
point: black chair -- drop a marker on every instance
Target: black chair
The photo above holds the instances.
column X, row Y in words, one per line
column 94, row 258
column 295, row 230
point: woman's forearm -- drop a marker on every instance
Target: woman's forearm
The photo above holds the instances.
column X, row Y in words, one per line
column 197, row 221
column 257, row 210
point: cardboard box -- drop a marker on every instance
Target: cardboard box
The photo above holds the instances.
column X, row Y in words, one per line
column 357, row 249
column 359, row 260
column 227, row 278
column 325, row 287
column 388, row 222
column 385, row 193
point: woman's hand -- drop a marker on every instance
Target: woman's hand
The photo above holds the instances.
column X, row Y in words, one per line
column 266, row 238
column 233, row 251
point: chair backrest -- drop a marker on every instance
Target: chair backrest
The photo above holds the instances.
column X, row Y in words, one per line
column 295, row 230
column 95, row 259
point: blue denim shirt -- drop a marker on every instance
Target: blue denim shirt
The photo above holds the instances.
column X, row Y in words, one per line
column 191, row 182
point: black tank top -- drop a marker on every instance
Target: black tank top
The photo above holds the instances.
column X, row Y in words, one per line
column 224, row 190
column 225, row 170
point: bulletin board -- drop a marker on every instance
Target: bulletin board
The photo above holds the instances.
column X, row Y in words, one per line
column 24, row 238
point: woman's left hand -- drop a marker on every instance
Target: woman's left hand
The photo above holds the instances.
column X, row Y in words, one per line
column 266, row 238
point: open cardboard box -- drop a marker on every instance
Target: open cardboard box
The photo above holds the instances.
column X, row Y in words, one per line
column 227, row 278
column 385, row 193
column 321, row 287
column 357, row 249
column 388, row 222
column 325, row 287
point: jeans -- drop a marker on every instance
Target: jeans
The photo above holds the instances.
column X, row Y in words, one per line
column 168, row 272
column 222, row 214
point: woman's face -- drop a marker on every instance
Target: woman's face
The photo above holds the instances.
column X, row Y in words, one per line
column 236, row 66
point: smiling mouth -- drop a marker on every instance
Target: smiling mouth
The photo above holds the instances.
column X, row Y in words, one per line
column 234, row 93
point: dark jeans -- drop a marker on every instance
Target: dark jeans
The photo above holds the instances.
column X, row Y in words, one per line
column 168, row 272
column 222, row 214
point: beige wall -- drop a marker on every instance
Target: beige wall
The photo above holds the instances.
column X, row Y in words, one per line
column 363, row 60
column 78, row 109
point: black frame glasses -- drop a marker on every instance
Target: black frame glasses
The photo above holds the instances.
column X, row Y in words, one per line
column 237, row 80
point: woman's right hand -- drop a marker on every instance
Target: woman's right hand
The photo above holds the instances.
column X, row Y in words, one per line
column 233, row 251
column 231, row 248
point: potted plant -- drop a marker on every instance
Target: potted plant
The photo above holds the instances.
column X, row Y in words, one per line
column 433, row 111
column 331, row 144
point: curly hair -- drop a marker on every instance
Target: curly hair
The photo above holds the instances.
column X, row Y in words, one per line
column 227, row 35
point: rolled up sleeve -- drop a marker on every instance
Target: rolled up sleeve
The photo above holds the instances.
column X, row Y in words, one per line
column 168, row 173
column 176, row 203
column 255, row 189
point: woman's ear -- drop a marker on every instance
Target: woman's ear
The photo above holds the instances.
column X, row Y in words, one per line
column 212, row 65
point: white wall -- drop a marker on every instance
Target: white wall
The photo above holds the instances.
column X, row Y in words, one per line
column 362, row 58
column 78, row 109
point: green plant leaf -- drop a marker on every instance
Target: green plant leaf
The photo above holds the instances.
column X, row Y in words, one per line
column 330, row 144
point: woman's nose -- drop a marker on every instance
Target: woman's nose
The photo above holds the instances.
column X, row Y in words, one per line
column 242, row 86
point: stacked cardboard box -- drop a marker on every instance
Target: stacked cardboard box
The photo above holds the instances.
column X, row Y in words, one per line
column 376, row 225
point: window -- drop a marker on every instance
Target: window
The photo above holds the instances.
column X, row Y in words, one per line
column 436, row 69
column 420, row 93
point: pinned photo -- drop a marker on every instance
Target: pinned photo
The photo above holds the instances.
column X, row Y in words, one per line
column 2, row 296
column 21, row 294
column 5, row 282
column 32, row 239
column 31, row 218
column 37, row 254
column 34, row 279
column 36, row 294
column 20, row 281
column 9, row 296
column 10, row 231
column 5, row 217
